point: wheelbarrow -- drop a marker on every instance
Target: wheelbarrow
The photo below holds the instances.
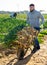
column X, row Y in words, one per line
column 25, row 39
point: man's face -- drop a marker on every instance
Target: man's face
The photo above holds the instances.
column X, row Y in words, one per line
column 32, row 8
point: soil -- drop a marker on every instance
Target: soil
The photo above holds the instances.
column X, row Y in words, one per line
column 8, row 56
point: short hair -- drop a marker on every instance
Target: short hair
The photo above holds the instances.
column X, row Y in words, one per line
column 31, row 5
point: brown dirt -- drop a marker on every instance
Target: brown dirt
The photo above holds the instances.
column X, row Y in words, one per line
column 8, row 57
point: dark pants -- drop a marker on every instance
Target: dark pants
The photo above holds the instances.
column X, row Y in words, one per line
column 36, row 42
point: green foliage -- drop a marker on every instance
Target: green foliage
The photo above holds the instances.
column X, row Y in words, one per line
column 41, row 35
column 45, row 16
column 23, row 16
column 13, row 34
column 40, row 39
column 44, row 32
column 4, row 15
column 45, row 24
column 10, row 26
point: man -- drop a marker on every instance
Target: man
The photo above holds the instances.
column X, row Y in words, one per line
column 13, row 15
column 33, row 19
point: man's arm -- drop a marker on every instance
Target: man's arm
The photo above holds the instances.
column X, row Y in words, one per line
column 42, row 18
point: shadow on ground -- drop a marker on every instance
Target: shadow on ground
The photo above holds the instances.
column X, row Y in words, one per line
column 21, row 62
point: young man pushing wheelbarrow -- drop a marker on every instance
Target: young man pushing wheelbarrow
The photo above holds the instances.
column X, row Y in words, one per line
column 28, row 35
column 33, row 19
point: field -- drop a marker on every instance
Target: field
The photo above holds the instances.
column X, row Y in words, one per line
column 24, row 16
column 10, row 26
column 45, row 16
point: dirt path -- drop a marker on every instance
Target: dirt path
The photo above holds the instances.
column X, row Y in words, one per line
column 38, row 58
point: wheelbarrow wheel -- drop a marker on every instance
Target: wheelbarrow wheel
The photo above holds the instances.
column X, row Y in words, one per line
column 20, row 54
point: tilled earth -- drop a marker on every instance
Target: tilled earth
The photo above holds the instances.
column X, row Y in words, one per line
column 38, row 58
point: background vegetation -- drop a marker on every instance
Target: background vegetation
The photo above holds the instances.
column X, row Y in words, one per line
column 10, row 26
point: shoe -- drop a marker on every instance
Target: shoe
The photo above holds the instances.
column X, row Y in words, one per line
column 34, row 50
column 38, row 47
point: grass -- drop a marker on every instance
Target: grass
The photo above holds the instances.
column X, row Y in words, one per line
column 45, row 24
column 4, row 15
column 44, row 32
column 23, row 16
column 41, row 35
column 45, row 16
column 9, row 27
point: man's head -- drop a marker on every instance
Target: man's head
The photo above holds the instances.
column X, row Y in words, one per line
column 32, row 7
